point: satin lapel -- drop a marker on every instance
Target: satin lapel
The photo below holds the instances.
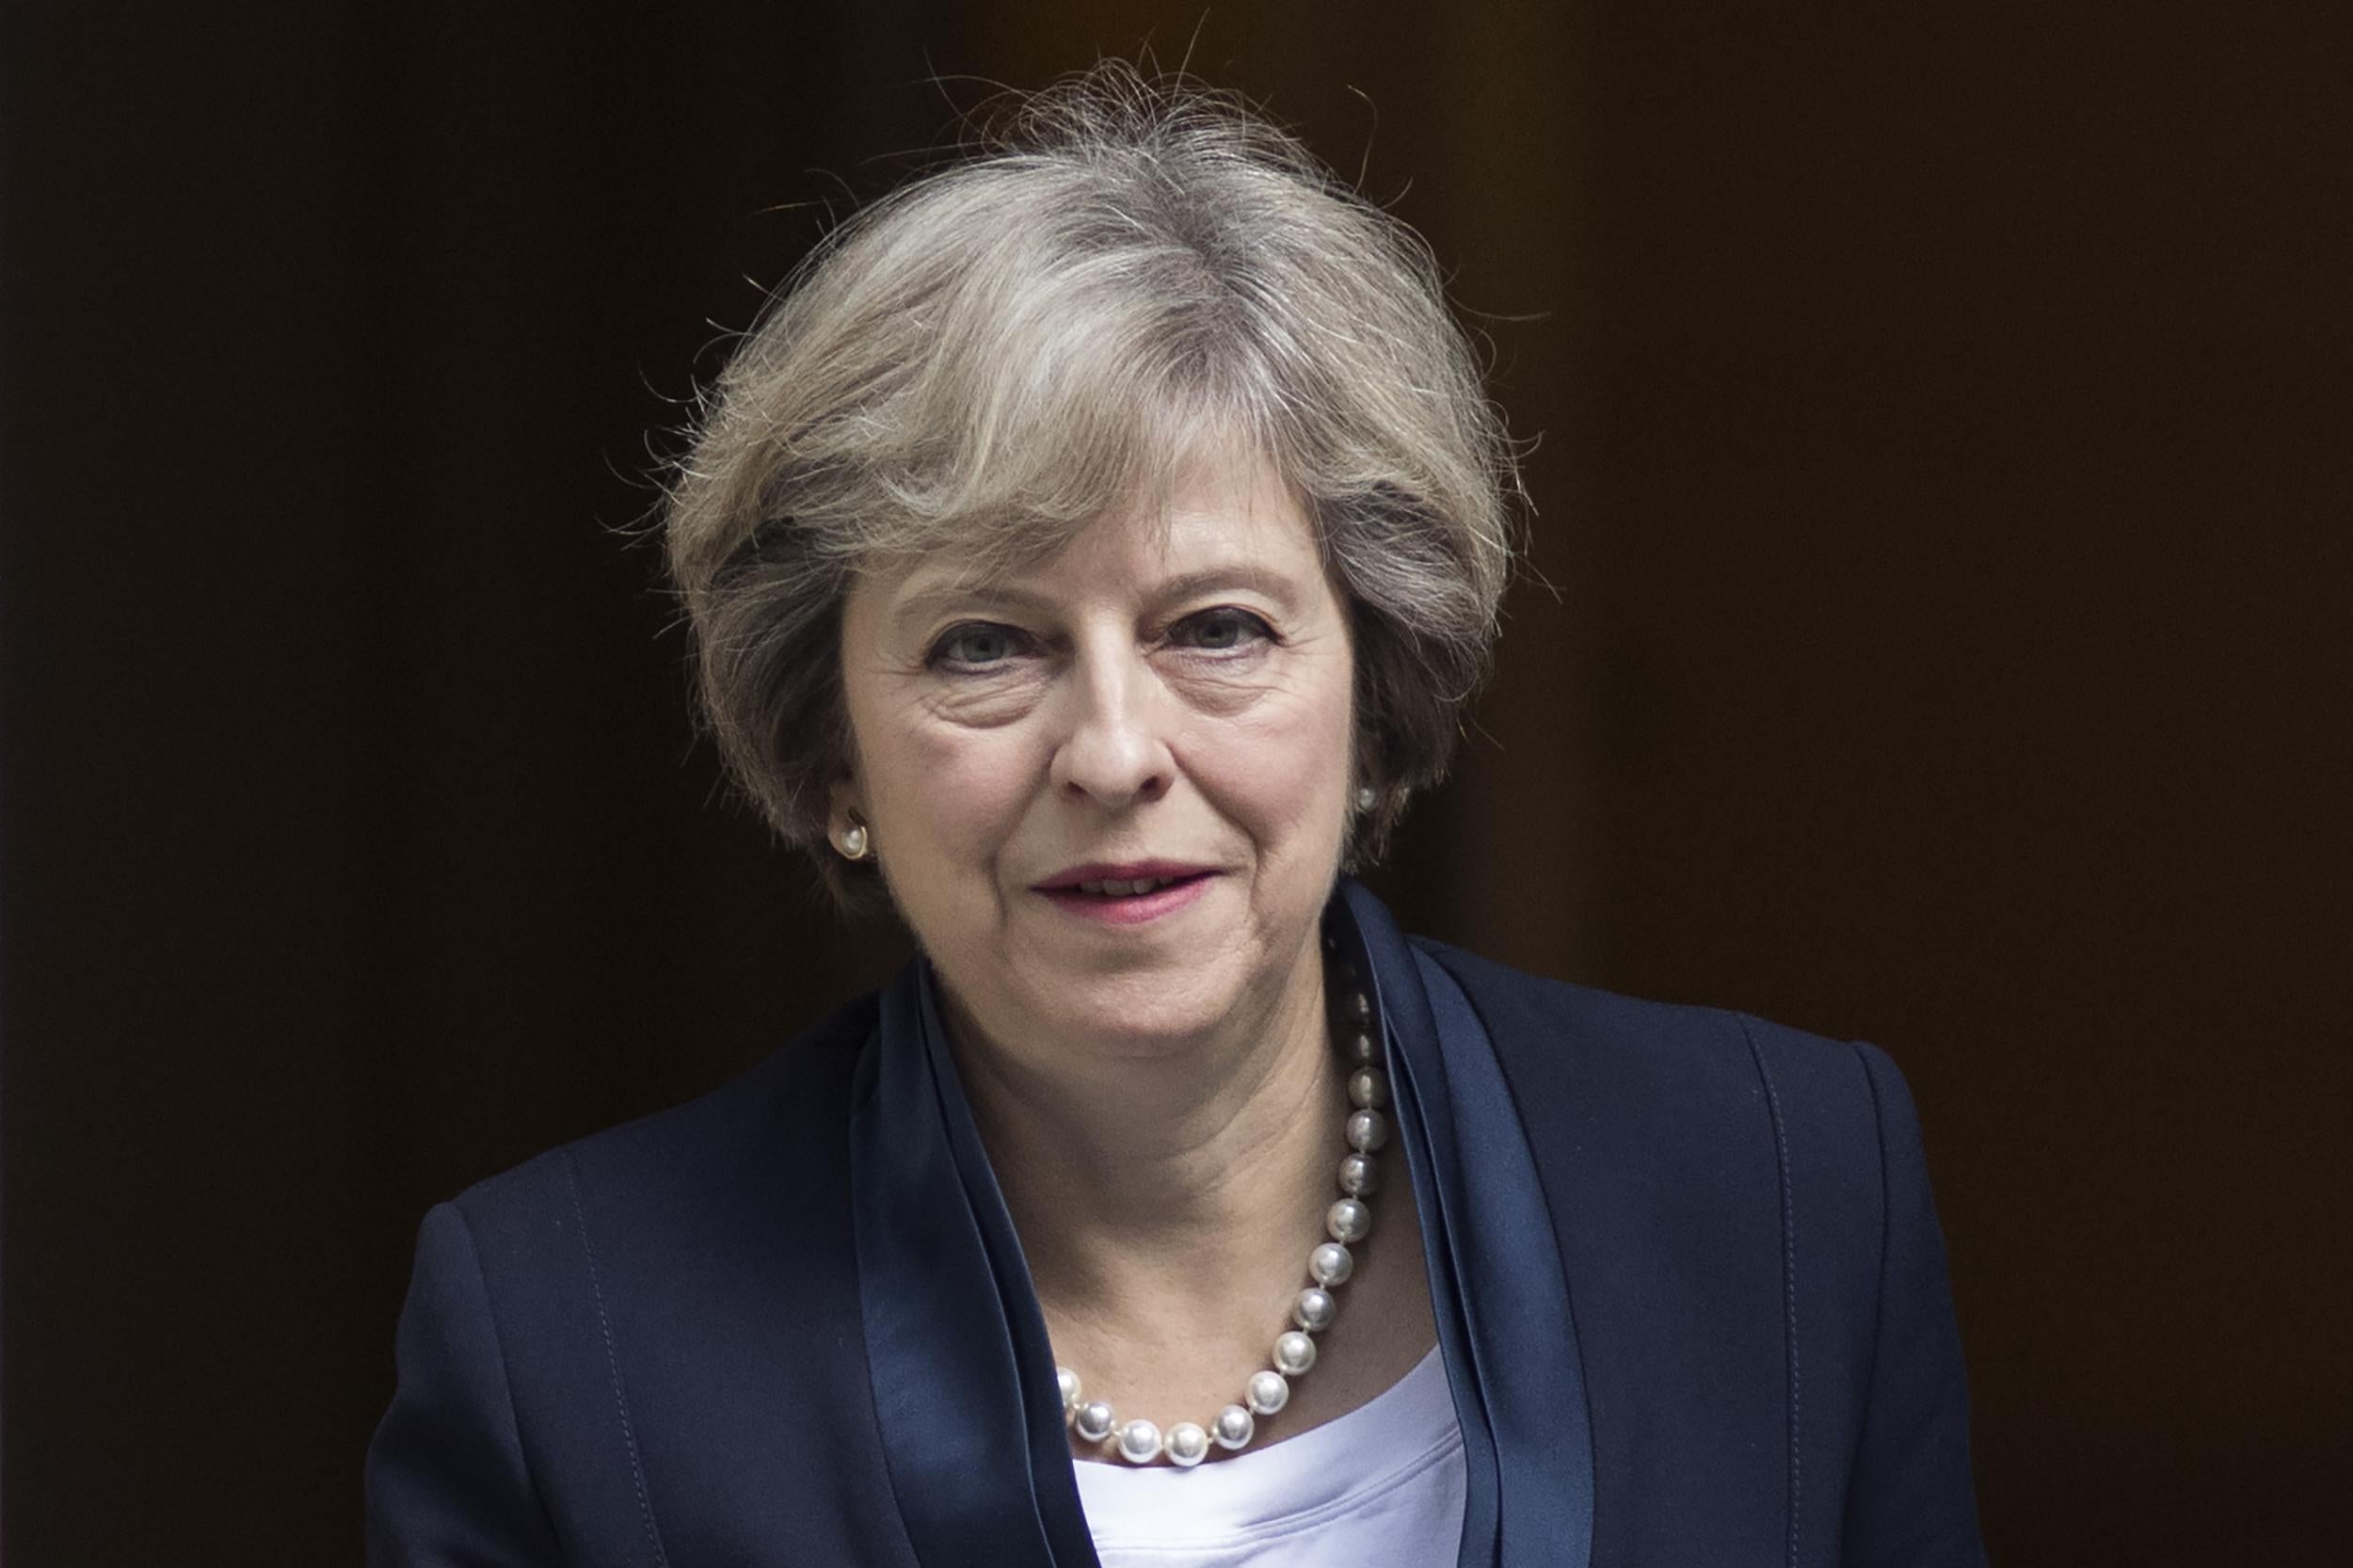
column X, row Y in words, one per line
column 954, row 1335
column 1496, row 1279
column 1518, row 1299
column 1365, row 937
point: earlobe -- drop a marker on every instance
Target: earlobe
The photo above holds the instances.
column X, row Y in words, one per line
column 847, row 824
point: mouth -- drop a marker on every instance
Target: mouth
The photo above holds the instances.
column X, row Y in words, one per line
column 1129, row 893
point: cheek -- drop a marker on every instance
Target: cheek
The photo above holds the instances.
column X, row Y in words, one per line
column 1281, row 768
column 941, row 791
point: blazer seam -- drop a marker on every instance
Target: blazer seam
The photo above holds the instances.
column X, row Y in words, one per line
column 1788, row 1275
column 1887, row 1221
column 506, row 1376
column 613, row 1365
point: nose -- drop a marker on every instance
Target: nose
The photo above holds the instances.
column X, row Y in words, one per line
column 1113, row 750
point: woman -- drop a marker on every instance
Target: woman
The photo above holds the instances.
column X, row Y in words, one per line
column 1089, row 557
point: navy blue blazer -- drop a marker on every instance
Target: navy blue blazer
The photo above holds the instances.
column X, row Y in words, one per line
column 1689, row 1287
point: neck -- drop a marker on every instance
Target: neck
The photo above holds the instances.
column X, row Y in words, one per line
column 1151, row 1187
column 1167, row 1203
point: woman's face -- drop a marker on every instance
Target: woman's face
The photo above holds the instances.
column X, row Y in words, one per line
column 1165, row 702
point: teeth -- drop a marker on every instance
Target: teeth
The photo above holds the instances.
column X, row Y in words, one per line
column 1116, row 888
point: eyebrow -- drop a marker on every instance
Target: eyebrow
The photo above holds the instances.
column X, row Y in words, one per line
column 924, row 602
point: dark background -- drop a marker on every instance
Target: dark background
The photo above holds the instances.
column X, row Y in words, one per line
column 1943, row 479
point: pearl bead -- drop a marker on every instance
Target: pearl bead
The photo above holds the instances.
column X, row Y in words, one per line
column 1314, row 1309
column 1359, row 1008
column 1138, row 1441
column 1331, row 1264
column 1234, row 1426
column 1358, row 1175
column 1069, row 1381
column 1094, row 1420
column 1269, row 1393
column 1295, row 1352
column 1367, row 1130
column 1363, row 1049
column 1188, row 1445
column 1368, row 1089
column 1348, row 1221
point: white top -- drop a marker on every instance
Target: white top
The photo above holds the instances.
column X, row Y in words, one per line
column 1383, row 1483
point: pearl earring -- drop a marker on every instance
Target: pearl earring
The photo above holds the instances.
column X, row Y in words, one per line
column 853, row 842
column 1367, row 797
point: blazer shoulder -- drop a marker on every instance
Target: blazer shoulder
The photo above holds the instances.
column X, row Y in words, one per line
column 1596, row 1046
column 1569, row 1004
column 798, row 1096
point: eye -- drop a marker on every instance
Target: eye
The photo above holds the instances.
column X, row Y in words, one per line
column 977, row 645
column 1223, row 629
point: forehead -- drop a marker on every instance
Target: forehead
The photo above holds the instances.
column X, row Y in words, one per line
column 1217, row 517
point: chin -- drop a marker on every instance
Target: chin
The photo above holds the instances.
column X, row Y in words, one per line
column 1145, row 1014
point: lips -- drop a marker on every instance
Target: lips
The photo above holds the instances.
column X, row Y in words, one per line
column 1123, row 879
column 1127, row 894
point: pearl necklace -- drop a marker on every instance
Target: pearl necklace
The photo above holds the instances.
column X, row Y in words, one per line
column 1348, row 1221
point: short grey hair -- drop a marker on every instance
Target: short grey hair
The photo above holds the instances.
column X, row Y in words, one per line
column 1042, row 331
